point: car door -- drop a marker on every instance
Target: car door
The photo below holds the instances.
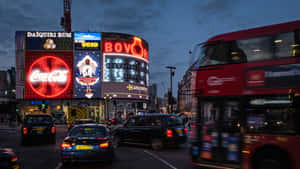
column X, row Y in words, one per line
column 124, row 132
column 143, row 131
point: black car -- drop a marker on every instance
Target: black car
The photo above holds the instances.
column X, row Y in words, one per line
column 82, row 121
column 87, row 143
column 38, row 126
column 156, row 130
column 8, row 159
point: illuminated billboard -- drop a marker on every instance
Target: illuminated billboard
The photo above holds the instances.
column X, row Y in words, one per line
column 125, row 66
column 48, row 75
column 48, row 65
column 87, row 41
column 84, row 65
column 49, row 41
column 87, row 73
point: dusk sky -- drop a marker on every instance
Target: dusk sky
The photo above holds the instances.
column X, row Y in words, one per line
column 171, row 27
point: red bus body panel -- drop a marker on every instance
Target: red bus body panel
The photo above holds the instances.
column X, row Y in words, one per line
column 245, row 79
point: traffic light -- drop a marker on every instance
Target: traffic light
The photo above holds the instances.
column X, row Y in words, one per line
column 43, row 106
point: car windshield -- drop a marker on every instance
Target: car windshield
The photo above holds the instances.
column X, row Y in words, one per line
column 174, row 121
column 88, row 132
column 38, row 119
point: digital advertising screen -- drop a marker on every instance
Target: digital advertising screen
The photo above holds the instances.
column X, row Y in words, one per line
column 125, row 66
column 87, row 41
column 49, row 41
column 48, row 75
column 125, row 69
column 87, row 74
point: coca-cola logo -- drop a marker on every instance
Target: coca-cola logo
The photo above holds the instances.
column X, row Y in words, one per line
column 58, row 76
column 49, row 76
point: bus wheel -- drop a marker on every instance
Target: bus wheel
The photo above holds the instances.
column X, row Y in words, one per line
column 269, row 158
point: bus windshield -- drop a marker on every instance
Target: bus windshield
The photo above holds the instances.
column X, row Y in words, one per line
column 276, row 46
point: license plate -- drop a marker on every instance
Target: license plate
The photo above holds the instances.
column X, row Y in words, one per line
column 83, row 147
column 39, row 132
column 179, row 131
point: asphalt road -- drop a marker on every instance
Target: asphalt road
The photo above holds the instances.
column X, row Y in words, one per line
column 40, row 155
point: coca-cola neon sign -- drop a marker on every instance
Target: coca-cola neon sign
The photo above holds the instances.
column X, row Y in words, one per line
column 134, row 48
column 59, row 76
column 49, row 76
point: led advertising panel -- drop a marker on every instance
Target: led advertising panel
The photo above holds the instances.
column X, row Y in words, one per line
column 125, row 66
column 125, row 69
column 50, row 41
column 48, row 75
column 87, row 73
column 87, row 41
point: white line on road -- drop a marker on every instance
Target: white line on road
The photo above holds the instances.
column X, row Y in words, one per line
column 160, row 159
column 59, row 165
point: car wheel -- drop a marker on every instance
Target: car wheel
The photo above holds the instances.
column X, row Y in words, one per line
column 116, row 141
column 156, row 144
column 270, row 159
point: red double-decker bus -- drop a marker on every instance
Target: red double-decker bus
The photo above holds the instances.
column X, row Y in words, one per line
column 247, row 88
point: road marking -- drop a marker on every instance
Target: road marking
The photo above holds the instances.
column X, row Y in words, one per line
column 59, row 165
column 160, row 159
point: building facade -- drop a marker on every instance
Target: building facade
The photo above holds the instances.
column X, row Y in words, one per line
column 186, row 102
column 101, row 73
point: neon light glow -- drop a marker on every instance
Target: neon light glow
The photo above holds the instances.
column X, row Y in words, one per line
column 134, row 48
column 59, row 76
column 49, row 76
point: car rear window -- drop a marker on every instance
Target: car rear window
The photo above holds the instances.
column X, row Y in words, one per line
column 83, row 121
column 88, row 132
column 174, row 121
column 38, row 119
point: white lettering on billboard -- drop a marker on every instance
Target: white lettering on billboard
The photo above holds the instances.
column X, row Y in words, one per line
column 59, row 76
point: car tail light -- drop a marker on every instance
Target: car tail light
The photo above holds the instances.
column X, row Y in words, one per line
column 15, row 167
column 185, row 129
column 65, row 146
column 102, row 138
column 53, row 130
column 169, row 133
column 104, row 145
column 25, row 130
column 14, row 159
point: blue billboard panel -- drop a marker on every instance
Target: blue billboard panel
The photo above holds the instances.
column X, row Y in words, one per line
column 87, row 41
column 87, row 75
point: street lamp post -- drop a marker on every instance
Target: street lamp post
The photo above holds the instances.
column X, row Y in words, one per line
column 170, row 96
column 106, row 99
